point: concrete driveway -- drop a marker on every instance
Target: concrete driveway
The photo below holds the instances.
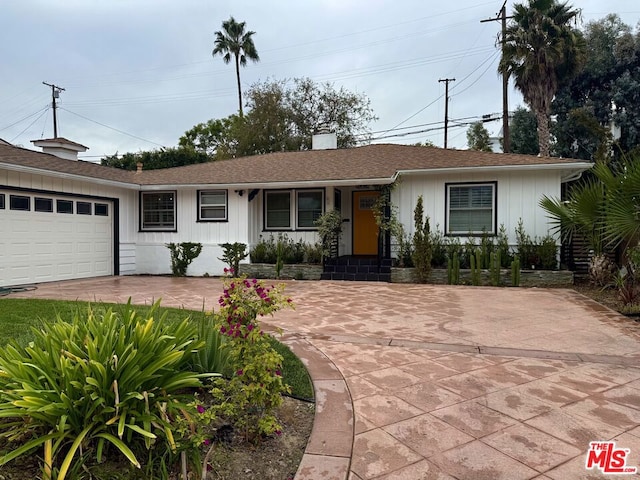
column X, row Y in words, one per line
column 441, row 382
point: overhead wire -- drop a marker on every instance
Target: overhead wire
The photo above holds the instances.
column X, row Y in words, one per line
column 25, row 118
column 112, row 128
column 30, row 125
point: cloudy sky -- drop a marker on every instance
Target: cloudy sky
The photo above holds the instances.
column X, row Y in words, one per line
column 138, row 73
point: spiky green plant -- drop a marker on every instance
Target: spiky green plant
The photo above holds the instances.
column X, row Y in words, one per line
column 103, row 378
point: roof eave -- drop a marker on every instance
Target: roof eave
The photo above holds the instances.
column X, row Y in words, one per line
column 571, row 167
column 83, row 178
column 277, row 185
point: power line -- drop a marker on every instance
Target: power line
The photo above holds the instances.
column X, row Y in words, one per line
column 29, row 126
column 112, row 128
column 25, row 118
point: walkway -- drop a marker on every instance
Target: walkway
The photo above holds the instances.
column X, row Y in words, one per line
column 443, row 382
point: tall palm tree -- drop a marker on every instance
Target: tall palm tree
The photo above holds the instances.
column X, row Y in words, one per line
column 541, row 51
column 234, row 41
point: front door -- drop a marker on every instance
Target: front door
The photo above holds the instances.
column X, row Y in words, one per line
column 365, row 229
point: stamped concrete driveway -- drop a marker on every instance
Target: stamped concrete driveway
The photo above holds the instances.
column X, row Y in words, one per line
column 441, row 382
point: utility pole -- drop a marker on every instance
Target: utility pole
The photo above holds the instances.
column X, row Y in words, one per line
column 506, row 141
column 55, row 93
column 446, row 106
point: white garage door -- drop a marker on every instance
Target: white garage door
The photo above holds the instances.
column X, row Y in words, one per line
column 44, row 238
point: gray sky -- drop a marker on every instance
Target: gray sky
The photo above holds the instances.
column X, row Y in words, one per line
column 144, row 67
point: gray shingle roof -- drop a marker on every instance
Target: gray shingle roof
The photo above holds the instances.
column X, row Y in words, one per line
column 371, row 162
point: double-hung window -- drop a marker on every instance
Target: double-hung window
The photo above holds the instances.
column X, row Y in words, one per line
column 212, row 205
column 309, row 207
column 158, row 211
column 277, row 214
column 471, row 208
column 289, row 209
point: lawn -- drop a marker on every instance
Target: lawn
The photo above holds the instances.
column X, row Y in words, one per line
column 18, row 316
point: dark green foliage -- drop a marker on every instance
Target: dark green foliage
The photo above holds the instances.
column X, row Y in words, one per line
column 293, row 372
column 101, row 379
column 422, row 249
column 474, row 260
column 523, row 132
column 233, row 254
column 182, row 254
column 266, row 251
column 439, row 246
column 515, row 272
column 453, row 270
column 548, row 253
column 526, row 248
column 279, row 258
column 154, row 159
column 583, row 106
column 478, row 137
column 502, row 246
column 329, row 230
column 494, row 268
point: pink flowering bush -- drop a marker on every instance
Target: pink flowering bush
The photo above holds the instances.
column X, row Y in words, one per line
column 254, row 391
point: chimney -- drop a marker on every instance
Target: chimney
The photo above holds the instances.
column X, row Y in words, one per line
column 324, row 139
column 139, row 166
column 60, row 147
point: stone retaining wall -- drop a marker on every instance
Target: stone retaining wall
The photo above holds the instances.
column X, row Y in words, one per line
column 268, row 270
column 528, row 278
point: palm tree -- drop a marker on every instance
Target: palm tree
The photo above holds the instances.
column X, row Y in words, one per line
column 234, row 41
column 542, row 50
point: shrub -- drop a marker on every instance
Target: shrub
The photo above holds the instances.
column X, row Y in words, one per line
column 100, row 380
column 182, row 254
column 313, row 253
column 439, row 248
column 266, row 251
column 329, row 230
column 526, row 248
column 255, row 389
column 547, row 253
column 233, row 254
column 502, row 246
column 422, row 250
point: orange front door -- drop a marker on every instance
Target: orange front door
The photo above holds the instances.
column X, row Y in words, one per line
column 365, row 229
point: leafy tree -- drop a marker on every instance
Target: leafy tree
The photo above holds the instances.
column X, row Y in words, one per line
column 154, row 159
column 283, row 116
column 542, row 51
column 478, row 138
column 426, row 143
column 216, row 138
column 583, row 107
column 234, row 42
column 314, row 105
column 523, row 132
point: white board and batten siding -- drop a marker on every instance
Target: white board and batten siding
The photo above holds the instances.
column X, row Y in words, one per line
column 43, row 243
column 153, row 257
column 518, row 197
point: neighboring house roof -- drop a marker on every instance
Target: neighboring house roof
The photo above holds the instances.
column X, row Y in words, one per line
column 371, row 164
column 29, row 160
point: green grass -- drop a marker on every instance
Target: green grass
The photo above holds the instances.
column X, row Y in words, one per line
column 17, row 316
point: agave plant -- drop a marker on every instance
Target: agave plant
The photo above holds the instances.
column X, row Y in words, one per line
column 102, row 379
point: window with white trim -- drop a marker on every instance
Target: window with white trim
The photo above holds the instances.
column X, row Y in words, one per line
column 471, row 208
column 212, row 205
column 310, row 206
column 277, row 210
column 158, row 211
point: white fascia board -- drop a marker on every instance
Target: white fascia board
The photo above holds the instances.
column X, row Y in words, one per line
column 69, row 176
column 276, row 185
column 573, row 167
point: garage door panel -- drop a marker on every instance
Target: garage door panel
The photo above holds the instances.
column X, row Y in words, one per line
column 48, row 246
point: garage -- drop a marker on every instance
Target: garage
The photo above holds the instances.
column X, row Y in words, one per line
column 48, row 237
